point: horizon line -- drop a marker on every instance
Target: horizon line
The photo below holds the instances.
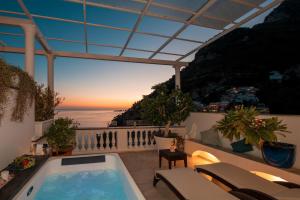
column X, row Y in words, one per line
column 88, row 108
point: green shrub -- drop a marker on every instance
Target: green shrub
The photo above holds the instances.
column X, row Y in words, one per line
column 166, row 108
column 61, row 134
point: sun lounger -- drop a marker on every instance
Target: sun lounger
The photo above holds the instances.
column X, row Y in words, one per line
column 236, row 178
column 188, row 185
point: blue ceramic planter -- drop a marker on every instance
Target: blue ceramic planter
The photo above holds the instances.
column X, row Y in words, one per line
column 279, row 154
column 241, row 147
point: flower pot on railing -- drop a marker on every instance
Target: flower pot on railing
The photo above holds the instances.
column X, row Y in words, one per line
column 279, row 154
column 64, row 152
column 241, row 146
column 163, row 142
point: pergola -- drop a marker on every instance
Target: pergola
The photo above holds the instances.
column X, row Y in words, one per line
column 193, row 18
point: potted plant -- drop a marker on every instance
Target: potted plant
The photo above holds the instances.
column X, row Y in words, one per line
column 244, row 123
column 166, row 108
column 61, row 136
column 235, row 125
column 45, row 103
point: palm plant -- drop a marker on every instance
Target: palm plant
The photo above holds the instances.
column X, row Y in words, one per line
column 244, row 122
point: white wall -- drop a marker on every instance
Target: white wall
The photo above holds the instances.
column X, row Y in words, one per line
column 198, row 122
column 15, row 137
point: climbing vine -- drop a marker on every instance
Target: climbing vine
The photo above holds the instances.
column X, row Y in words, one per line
column 13, row 78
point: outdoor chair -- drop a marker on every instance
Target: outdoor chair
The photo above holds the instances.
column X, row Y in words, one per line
column 237, row 178
column 188, row 185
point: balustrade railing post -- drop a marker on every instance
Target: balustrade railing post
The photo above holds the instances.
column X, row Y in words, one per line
column 117, row 139
column 98, row 137
column 104, row 136
column 144, row 137
column 133, row 138
column 123, row 139
column 86, row 141
column 153, row 138
column 128, row 139
column 138, row 138
column 149, row 137
column 92, row 141
column 78, row 140
column 110, row 137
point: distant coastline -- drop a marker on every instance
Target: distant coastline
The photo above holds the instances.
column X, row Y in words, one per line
column 89, row 117
column 120, row 110
column 89, row 109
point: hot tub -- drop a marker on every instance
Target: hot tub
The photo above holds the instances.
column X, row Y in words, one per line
column 81, row 177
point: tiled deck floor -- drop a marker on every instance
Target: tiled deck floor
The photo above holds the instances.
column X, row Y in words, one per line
column 141, row 166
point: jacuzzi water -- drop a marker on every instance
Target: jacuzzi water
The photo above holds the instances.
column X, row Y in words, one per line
column 86, row 177
column 87, row 185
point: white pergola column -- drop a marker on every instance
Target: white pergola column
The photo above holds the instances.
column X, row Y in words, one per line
column 177, row 76
column 29, row 30
column 50, row 68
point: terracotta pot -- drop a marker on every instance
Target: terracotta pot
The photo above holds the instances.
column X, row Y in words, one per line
column 65, row 152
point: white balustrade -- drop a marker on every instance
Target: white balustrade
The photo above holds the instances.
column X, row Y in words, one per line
column 117, row 139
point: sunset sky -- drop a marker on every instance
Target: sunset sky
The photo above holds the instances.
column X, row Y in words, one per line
column 102, row 84
column 98, row 84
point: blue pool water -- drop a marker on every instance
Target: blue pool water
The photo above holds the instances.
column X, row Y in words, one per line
column 85, row 185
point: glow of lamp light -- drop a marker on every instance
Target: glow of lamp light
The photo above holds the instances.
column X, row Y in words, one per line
column 267, row 176
column 203, row 157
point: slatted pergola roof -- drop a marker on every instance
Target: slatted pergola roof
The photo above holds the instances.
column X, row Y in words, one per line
column 164, row 31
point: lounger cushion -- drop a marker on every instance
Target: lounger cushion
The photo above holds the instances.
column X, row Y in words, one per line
column 193, row 186
column 241, row 178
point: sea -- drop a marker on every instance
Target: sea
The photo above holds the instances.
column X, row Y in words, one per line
column 89, row 118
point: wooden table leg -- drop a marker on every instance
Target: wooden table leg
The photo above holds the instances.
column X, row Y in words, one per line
column 174, row 162
column 185, row 162
column 170, row 164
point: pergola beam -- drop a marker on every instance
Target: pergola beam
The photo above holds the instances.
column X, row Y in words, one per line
column 97, row 57
column 101, row 5
column 50, row 71
column 38, row 33
column 30, row 33
column 136, row 25
column 177, row 77
column 95, row 25
column 190, row 21
column 14, row 21
column 261, row 11
column 182, row 10
column 90, row 43
column 85, row 26
column 248, row 4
